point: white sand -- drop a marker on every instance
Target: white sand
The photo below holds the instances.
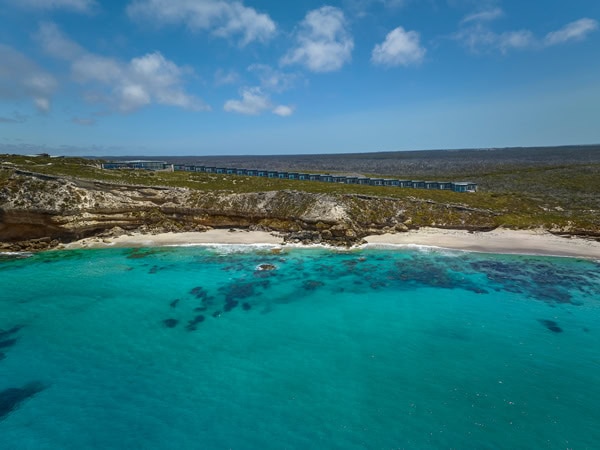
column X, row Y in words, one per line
column 497, row 241
column 163, row 239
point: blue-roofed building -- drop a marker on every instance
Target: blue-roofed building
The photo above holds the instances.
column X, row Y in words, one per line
column 464, row 186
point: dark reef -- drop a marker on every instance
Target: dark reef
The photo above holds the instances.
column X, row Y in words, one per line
column 11, row 398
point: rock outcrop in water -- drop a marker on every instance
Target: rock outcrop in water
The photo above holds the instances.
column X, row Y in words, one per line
column 40, row 211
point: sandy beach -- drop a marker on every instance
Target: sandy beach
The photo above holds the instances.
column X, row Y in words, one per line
column 193, row 238
column 524, row 242
column 497, row 241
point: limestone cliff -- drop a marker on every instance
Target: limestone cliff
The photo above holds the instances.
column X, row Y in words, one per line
column 39, row 211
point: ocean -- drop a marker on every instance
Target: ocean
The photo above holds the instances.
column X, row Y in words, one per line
column 252, row 347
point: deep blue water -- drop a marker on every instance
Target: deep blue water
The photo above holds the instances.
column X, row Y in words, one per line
column 194, row 348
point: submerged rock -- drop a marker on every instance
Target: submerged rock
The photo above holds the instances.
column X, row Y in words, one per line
column 551, row 325
column 170, row 323
column 192, row 324
column 312, row 285
column 7, row 343
column 7, row 333
column 11, row 398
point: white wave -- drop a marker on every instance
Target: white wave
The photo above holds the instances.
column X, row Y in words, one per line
column 231, row 248
column 17, row 254
column 420, row 247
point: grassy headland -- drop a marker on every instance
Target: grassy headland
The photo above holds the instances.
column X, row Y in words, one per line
column 557, row 188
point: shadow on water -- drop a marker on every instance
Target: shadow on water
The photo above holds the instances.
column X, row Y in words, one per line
column 11, row 398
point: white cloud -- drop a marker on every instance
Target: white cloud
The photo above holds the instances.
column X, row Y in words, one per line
column 283, row 111
column 253, row 102
column 82, row 6
column 478, row 37
column 271, row 79
column 56, row 44
column 222, row 18
column 400, row 48
column 361, row 8
column 22, row 78
column 484, row 16
column 223, row 77
column 574, row 31
column 521, row 39
column 125, row 86
column 323, row 43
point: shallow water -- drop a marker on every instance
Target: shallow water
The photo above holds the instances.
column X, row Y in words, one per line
column 197, row 348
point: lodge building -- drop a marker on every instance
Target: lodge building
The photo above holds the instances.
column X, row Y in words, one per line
column 460, row 186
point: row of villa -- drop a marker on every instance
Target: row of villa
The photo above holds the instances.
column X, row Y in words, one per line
column 463, row 186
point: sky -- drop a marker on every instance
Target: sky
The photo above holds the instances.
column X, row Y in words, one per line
column 220, row 77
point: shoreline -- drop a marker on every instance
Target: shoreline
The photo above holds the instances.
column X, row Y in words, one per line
column 500, row 241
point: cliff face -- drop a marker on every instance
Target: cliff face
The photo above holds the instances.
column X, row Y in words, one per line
column 39, row 211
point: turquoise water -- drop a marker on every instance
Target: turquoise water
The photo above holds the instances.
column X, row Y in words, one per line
column 194, row 348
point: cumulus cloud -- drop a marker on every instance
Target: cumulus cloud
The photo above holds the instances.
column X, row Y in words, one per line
column 222, row 18
column 400, row 48
column 574, row 31
column 255, row 101
column 478, row 37
column 323, row 42
column 21, row 78
column 124, row 86
column 82, row 6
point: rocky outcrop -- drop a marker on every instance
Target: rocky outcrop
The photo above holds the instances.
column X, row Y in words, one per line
column 39, row 211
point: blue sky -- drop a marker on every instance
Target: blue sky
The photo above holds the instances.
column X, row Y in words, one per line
column 209, row 77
